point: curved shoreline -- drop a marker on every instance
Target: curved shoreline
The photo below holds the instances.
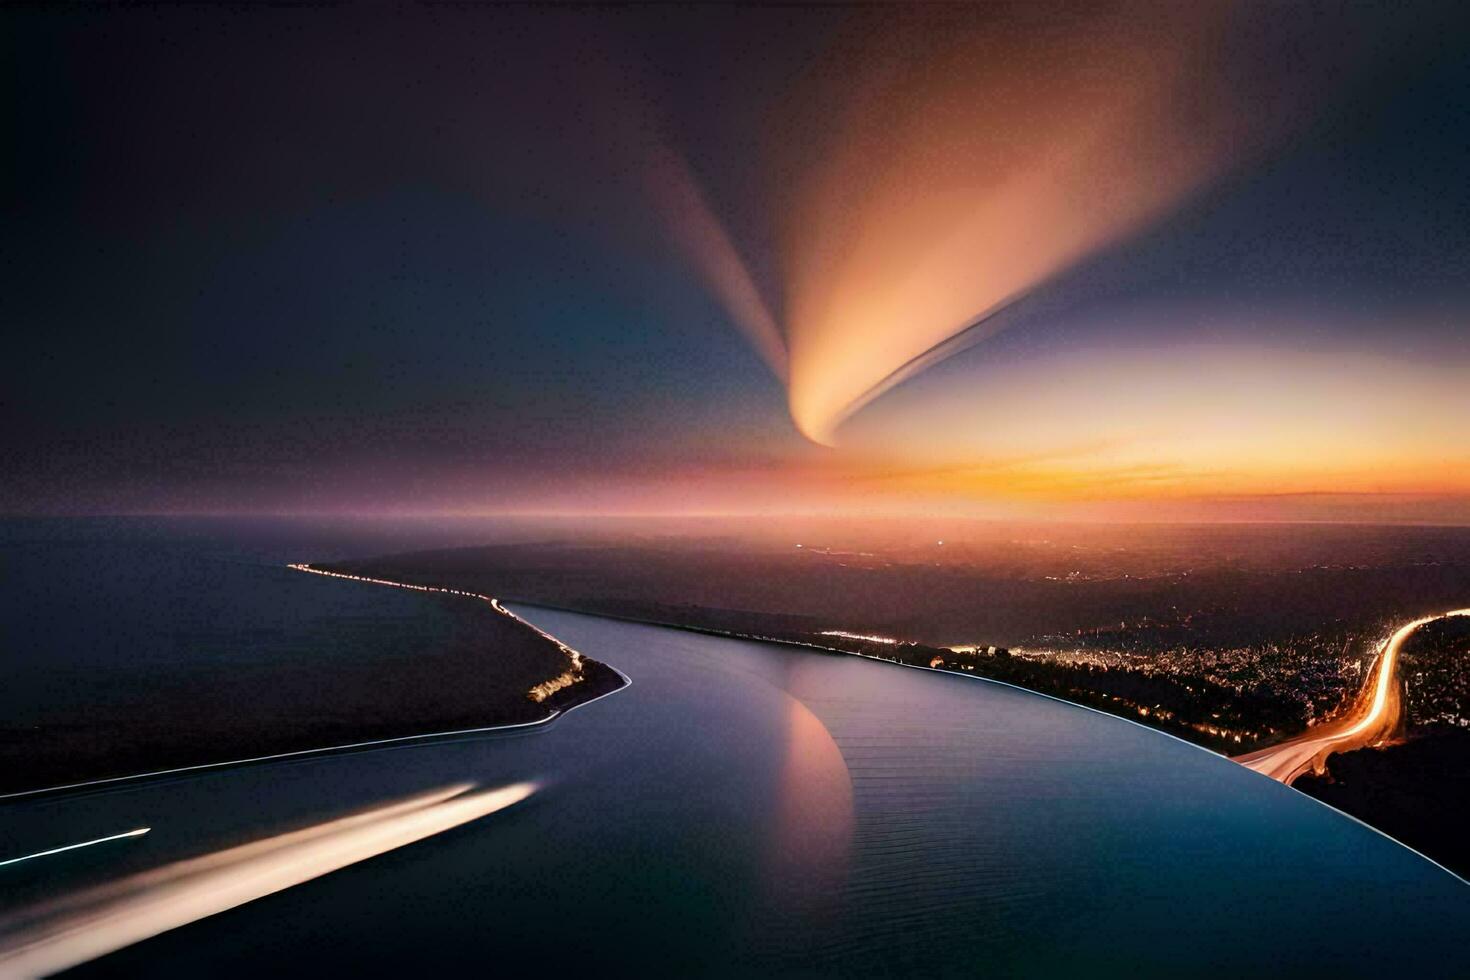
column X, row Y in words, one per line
column 556, row 713
column 574, row 656
column 818, row 648
column 723, row 634
column 397, row 740
column 324, row 750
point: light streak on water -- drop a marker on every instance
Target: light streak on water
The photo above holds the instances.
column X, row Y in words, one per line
column 139, row 832
column 76, row 928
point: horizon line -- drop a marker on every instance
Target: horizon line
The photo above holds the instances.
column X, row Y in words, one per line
column 712, row 515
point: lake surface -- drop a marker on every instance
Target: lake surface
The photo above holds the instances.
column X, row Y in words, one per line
column 98, row 616
column 746, row 808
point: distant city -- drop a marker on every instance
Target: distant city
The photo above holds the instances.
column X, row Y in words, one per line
column 1259, row 640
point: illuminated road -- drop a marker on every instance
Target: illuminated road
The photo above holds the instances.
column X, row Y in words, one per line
column 1373, row 718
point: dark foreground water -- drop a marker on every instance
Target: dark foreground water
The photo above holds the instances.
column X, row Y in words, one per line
column 746, row 808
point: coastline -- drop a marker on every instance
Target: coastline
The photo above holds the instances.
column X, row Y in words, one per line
column 574, row 656
column 1236, row 727
column 399, row 740
column 652, row 589
column 1025, row 690
column 733, row 635
column 814, row 647
column 600, row 680
column 556, row 711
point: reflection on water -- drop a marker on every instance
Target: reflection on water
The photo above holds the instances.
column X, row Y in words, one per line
column 812, row 838
column 741, row 808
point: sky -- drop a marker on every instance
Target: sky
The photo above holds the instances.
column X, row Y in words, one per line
column 1141, row 262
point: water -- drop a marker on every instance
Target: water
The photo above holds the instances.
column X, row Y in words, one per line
column 747, row 808
column 128, row 632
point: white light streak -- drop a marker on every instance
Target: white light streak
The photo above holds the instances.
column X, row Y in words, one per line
column 80, row 927
column 72, row 847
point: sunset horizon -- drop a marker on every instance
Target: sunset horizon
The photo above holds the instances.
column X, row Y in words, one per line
column 745, row 490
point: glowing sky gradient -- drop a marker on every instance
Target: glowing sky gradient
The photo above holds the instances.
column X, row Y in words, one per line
column 1164, row 262
column 965, row 180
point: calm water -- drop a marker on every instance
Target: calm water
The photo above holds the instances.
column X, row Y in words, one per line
column 739, row 808
column 99, row 616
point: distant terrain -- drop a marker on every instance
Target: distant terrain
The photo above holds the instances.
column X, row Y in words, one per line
column 1230, row 636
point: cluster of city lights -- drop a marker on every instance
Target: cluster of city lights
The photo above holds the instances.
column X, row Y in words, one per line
column 868, row 637
column 546, row 689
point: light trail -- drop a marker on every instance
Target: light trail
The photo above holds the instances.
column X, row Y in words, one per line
column 65, row 932
column 72, row 847
column 1377, row 717
column 870, row 637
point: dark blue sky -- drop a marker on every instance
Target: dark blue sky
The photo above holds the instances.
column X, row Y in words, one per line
column 324, row 260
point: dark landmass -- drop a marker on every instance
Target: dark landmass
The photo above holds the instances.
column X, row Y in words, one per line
column 1189, row 711
column 1231, row 636
column 1143, row 588
column 800, row 599
column 478, row 679
column 1415, row 792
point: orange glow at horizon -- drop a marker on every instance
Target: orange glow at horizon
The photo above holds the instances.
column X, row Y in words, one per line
column 928, row 171
column 1191, row 422
column 1261, row 433
column 965, row 164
